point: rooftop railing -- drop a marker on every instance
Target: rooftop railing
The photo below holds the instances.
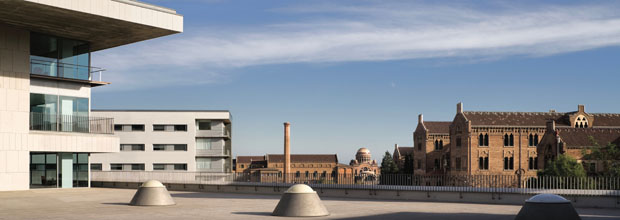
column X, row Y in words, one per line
column 587, row 186
column 71, row 123
column 53, row 68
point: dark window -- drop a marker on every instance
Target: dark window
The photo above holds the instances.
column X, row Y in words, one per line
column 509, row 140
column 59, row 57
column 437, row 165
column 137, row 166
column 419, row 164
column 315, row 174
column 137, row 127
column 481, row 140
column 159, row 127
column 204, row 125
column 180, row 147
column 533, row 163
column 324, row 174
column 531, row 140
column 506, row 140
column 180, row 128
column 483, row 163
column 458, row 141
column 137, row 147
column 307, row 174
column 118, row 127
column 486, row 139
column 180, row 167
column 509, row 163
column 419, row 147
column 95, row 166
column 116, row 166
column 297, row 174
column 159, row 166
column 159, row 147
column 242, row 166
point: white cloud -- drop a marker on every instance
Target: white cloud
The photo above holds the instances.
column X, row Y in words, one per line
column 377, row 33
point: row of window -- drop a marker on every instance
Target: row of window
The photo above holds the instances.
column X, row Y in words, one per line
column 156, row 147
column 201, row 125
column 483, row 163
column 483, row 141
column 139, row 127
column 298, row 165
column 140, row 166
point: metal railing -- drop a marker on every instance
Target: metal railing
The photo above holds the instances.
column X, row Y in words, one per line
column 65, row 70
column 586, row 186
column 71, row 123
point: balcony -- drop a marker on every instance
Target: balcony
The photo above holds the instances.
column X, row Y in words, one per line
column 212, row 153
column 52, row 69
column 213, row 133
column 71, row 123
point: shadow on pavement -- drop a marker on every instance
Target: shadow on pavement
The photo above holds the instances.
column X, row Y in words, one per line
column 202, row 195
column 431, row 215
column 115, row 203
column 253, row 213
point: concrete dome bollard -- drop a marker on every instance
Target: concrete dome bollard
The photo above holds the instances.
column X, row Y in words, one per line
column 152, row 193
column 300, row 201
column 547, row 206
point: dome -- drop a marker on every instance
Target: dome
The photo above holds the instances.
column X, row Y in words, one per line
column 152, row 183
column 547, row 198
column 299, row 188
column 363, row 150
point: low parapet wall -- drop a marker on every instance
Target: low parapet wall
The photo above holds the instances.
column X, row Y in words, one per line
column 382, row 194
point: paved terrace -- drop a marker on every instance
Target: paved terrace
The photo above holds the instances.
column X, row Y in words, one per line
column 104, row 203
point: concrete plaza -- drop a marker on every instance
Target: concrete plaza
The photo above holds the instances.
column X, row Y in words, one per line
column 105, row 203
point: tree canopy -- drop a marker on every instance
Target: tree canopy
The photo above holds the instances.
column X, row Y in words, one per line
column 608, row 156
column 563, row 165
column 388, row 165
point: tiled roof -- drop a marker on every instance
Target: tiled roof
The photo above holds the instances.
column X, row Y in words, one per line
column 607, row 120
column 438, row 127
column 405, row 150
column 248, row 159
column 580, row 137
column 304, row 158
column 517, row 118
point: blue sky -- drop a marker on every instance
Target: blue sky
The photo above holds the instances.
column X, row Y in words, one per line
column 351, row 74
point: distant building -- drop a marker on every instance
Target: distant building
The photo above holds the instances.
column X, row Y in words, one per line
column 399, row 155
column 302, row 165
column 168, row 140
column 364, row 165
column 507, row 143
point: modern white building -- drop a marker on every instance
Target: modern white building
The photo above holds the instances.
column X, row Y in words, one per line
column 169, row 141
column 47, row 132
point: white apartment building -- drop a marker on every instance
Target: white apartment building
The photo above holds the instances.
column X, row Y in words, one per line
column 47, row 132
column 168, row 141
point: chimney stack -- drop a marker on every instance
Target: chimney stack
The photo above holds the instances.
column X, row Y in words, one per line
column 551, row 126
column 459, row 108
column 287, row 151
column 420, row 119
column 581, row 108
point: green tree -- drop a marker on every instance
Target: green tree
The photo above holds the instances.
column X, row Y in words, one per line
column 608, row 156
column 388, row 166
column 408, row 166
column 564, row 166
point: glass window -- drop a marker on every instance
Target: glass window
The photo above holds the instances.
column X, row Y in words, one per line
column 159, row 166
column 116, row 166
column 159, row 127
column 180, row 127
column 43, row 170
column 203, row 143
column 180, row 147
column 203, row 163
column 55, row 56
column 159, row 147
column 203, row 124
column 137, row 127
column 96, row 166
column 180, row 167
column 137, row 166
column 118, row 127
column 43, row 111
column 137, row 147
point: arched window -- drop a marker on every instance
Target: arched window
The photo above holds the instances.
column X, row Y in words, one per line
column 481, row 140
column 536, row 140
column 585, row 124
column 440, row 144
column 436, row 144
column 531, row 140
column 512, row 140
column 486, row 139
column 506, row 141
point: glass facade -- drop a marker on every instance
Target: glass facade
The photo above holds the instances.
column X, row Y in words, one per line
column 45, row 170
column 59, row 57
column 58, row 113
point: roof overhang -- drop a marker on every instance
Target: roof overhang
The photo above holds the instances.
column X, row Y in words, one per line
column 103, row 23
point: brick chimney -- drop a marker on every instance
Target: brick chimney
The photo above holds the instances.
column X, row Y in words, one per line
column 287, row 151
column 551, row 126
column 581, row 108
column 459, row 108
column 420, row 119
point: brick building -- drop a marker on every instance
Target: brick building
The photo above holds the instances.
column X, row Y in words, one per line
column 399, row 155
column 505, row 143
column 302, row 165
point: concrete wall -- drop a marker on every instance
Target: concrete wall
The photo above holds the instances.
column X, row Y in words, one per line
column 148, row 137
column 14, row 107
column 462, row 197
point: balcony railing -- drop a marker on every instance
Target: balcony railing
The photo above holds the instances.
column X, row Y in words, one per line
column 71, row 123
column 53, row 68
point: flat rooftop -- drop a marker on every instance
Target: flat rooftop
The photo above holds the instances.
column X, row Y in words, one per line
column 104, row 203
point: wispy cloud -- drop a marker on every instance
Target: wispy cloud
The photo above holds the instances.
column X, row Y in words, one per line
column 342, row 33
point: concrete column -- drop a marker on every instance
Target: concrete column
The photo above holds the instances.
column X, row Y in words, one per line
column 66, row 169
column 287, row 151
